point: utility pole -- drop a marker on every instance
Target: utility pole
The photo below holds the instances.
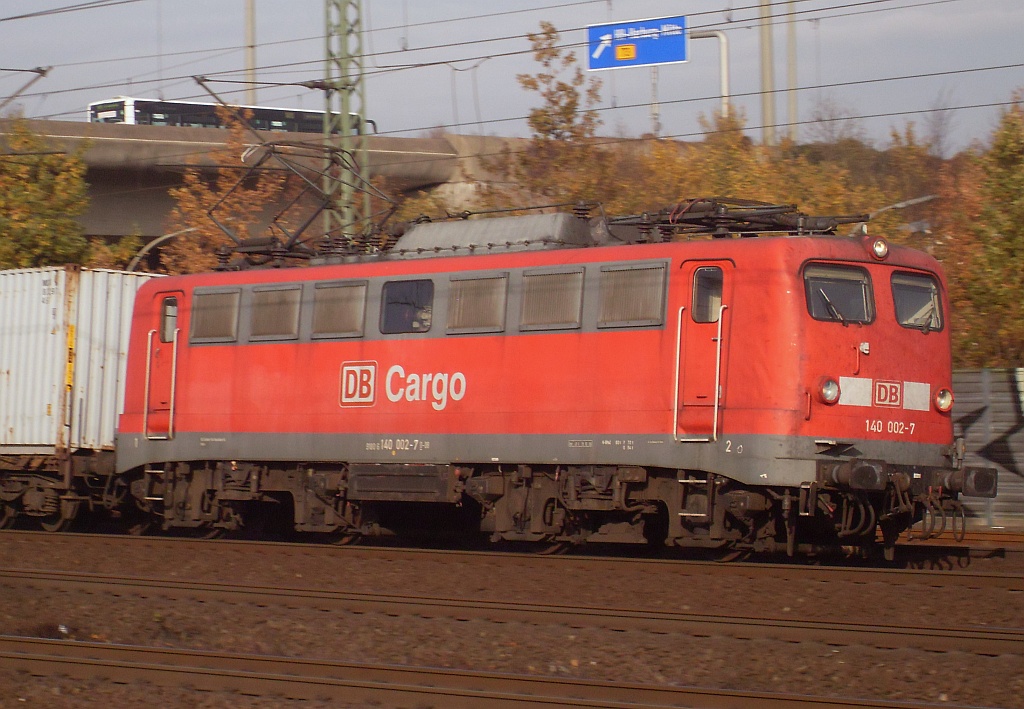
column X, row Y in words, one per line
column 767, row 76
column 344, row 119
column 655, row 108
column 723, row 63
column 250, row 51
column 791, row 115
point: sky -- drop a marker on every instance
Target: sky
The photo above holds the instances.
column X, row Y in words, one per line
column 948, row 66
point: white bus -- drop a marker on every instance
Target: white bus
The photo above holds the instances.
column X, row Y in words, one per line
column 154, row 112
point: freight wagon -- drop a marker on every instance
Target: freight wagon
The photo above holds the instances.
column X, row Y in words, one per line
column 63, row 354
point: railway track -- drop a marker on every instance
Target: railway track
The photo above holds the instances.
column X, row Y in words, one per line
column 376, row 683
column 941, row 574
column 979, row 640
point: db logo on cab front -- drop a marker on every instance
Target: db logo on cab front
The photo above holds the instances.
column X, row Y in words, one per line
column 358, row 383
column 888, row 394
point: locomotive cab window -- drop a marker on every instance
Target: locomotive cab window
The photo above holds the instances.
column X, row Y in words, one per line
column 168, row 318
column 551, row 301
column 275, row 313
column 477, row 304
column 916, row 297
column 406, row 306
column 339, row 309
column 839, row 294
column 215, row 316
column 707, row 294
column 631, row 296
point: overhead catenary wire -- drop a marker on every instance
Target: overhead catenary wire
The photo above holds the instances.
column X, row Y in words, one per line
column 862, row 6
column 609, row 142
column 93, row 5
column 696, row 134
column 266, row 69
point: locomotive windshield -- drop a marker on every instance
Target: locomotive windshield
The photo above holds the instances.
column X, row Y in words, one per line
column 917, row 301
column 839, row 293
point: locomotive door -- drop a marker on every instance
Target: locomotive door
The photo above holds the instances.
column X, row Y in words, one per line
column 702, row 350
column 162, row 367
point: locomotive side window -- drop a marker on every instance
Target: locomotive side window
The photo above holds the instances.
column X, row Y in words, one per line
column 215, row 316
column 631, row 296
column 339, row 309
column 917, row 301
column 707, row 294
column 168, row 319
column 551, row 300
column 477, row 304
column 406, row 306
column 839, row 294
column 275, row 313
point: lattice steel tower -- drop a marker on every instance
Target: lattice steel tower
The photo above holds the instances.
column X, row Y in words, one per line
column 346, row 173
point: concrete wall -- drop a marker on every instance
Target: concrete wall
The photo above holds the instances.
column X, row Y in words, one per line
column 131, row 168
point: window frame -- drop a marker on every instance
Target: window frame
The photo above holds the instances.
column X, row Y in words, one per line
column 202, row 292
column 471, row 330
column 867, row 289
column 339, row 335
column 166, row 317
column 384, row 305
column 294, row 334
column 717, row 315
column 625, row 267
column 936, row 299
column 535, row 272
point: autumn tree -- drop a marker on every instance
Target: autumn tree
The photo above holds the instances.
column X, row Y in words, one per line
column 983, row 249
column 727, row 163
column 561, row 162
column 42, row 192
column 207, row 194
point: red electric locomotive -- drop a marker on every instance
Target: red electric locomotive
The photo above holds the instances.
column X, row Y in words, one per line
column 555, row 379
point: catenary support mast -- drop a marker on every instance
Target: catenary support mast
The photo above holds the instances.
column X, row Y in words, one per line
column 345, row 113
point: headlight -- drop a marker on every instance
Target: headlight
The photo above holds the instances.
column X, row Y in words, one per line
column 944, row 400
column 828, row 390
column 879, row 248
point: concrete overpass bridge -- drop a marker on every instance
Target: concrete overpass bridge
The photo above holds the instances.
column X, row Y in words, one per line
column 130, row 168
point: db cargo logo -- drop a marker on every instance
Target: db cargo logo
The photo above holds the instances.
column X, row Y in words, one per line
column 358, row 383
column 888, row 394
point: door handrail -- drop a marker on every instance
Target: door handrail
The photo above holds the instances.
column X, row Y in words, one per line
column 145, row 394
column 174, row 381
column 675, row 398
column 718, row 372
column 718, row 383
column 174, row 387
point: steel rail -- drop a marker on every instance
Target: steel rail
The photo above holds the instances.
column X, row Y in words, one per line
column 960, row 577
column 984, row 538
column 354, row 682
column 979, row 640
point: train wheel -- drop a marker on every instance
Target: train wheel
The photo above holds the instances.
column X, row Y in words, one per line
column 55, row 523
column 342, row 539
column 728, row 554
column 139, row 527
column 554, row 548
column 8, row 515
column 60, row 520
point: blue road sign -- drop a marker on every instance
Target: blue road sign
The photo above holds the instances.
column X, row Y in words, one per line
column 638, row 43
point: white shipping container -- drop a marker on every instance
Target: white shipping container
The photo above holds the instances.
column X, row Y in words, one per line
column 63, row 351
